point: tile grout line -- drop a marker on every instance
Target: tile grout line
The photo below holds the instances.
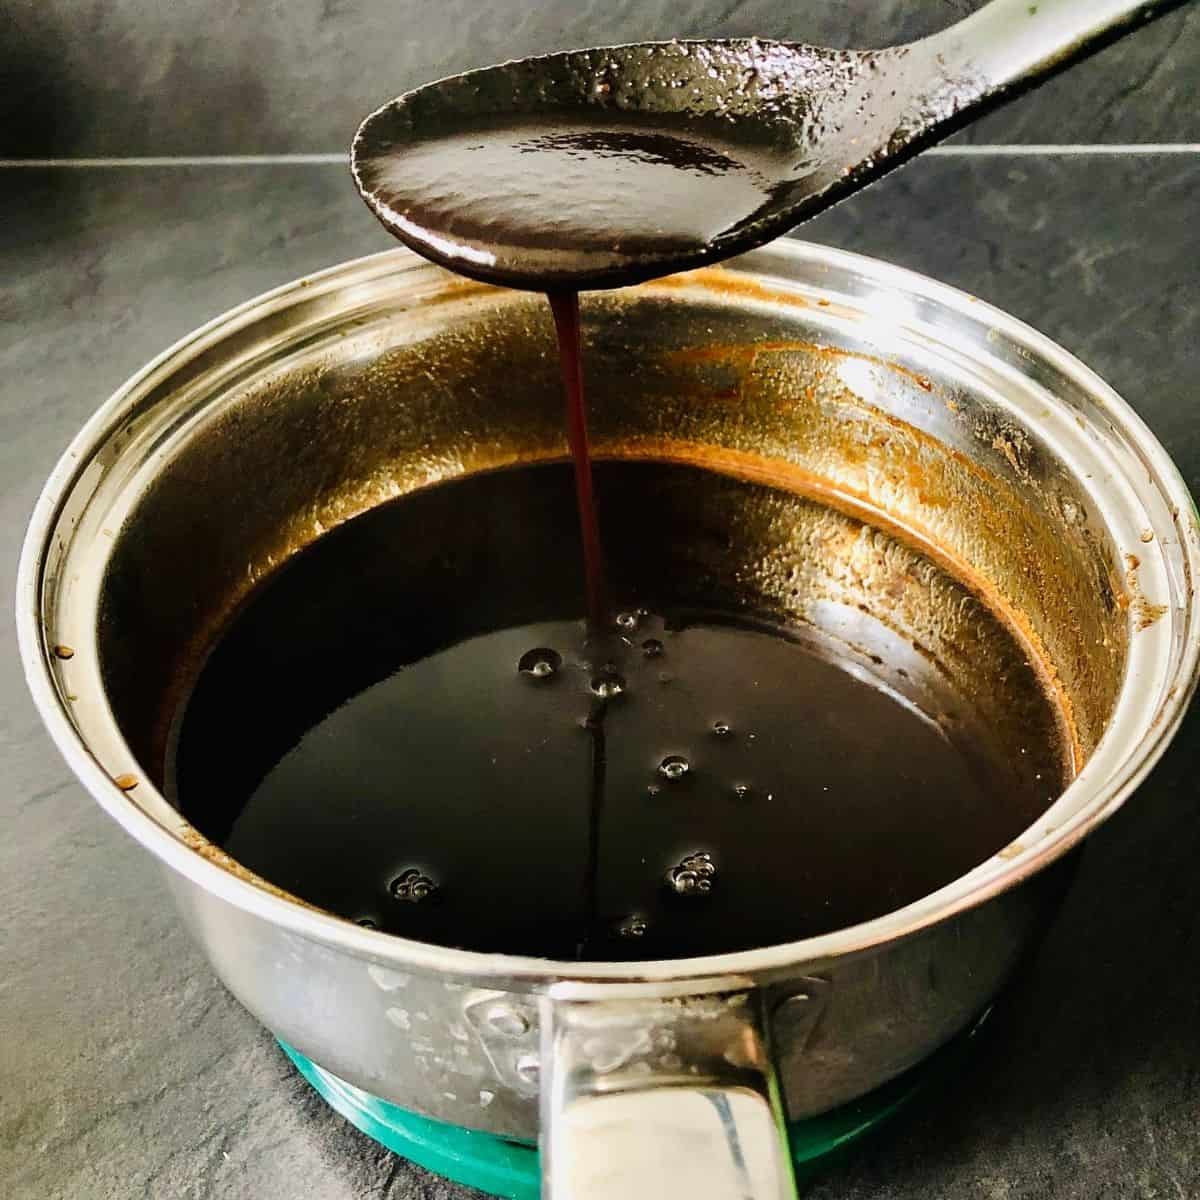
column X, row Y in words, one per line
column 1014, row 150
column 1066, row 150
column 181, row 160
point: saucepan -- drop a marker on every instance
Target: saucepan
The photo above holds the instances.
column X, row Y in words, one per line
column 910, row 424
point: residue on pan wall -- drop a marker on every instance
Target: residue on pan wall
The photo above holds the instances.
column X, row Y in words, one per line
column 1013, row 444
column 195, row 840
column 796, row 479
column 745, row 355
column 1162, row 710
column 728, row 283
column 1144, row 612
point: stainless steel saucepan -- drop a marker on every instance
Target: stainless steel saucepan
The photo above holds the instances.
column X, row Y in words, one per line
column 910, row 425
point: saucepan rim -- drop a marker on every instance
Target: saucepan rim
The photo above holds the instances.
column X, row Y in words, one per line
column 1161, row 672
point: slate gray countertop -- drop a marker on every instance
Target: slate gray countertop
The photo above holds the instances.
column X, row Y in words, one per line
column 125, row 1068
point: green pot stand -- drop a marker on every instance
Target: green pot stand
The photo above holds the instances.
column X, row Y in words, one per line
column 507, row 1168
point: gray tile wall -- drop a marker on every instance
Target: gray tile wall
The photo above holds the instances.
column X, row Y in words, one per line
column 134, row 77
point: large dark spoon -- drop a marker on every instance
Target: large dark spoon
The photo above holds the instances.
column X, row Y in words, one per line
column 597, row 168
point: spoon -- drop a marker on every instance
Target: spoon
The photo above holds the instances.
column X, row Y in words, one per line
column 599, row 168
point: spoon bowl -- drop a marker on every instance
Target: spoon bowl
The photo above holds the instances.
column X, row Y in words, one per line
column 601, row 167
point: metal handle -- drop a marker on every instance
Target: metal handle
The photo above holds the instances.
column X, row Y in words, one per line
column 1009, row 45
column 643, row 1099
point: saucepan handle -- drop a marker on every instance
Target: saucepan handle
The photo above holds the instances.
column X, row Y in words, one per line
column 643, row 1099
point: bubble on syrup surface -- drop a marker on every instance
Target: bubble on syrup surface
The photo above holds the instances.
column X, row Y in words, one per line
column 539, row 663
column 412, row 886
column 607, row 683
column 633, row 926
column 694, row 875
column 674, row 766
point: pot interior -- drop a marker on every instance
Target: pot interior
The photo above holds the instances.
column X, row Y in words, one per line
column 881, row 472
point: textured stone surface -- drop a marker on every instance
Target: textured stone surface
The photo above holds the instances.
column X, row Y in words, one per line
column 126, row 1070
column 113, row 77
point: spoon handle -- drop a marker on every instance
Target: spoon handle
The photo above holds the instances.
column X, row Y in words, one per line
column 1010, row 45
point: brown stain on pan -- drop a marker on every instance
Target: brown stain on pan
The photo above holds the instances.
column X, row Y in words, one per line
column 746, row 355
column 860, row 507
column 892, row 457
column 1144, row 611
column 195, row 841
column 724, row 282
